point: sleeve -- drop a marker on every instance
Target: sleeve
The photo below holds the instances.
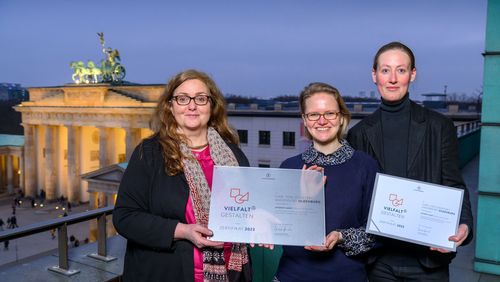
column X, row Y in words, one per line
column 356, row 241
column 451, row 174
column 132, row 217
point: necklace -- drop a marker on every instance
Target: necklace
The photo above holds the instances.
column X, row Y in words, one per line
column 198, row 147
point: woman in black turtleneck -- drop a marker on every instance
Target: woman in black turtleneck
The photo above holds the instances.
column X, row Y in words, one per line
column 412, row 142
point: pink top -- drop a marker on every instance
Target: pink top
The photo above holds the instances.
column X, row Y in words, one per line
column 207, row 165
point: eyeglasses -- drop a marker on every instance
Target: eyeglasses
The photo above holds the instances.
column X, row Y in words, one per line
column 183, row 100
column 317, row 116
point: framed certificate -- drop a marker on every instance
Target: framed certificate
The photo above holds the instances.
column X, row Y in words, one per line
column 267, row 205
column 414, row 211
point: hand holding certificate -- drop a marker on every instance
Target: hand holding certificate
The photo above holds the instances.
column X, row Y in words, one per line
column 415, row 211
column 267, row 206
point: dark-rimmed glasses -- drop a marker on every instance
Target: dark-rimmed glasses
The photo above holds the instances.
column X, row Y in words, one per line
column 183, row 100
column 317, row 116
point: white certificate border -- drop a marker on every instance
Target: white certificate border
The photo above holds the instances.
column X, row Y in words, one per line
column 376, row 232
column 323, row 197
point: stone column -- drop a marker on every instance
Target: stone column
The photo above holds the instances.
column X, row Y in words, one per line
column 50, row 171
column 10, row 186
column 21, row 176
column 105, row 146
column 74, row 139
column 1, row 174
column 29, row 171
column 93, row 196
column 132, row 138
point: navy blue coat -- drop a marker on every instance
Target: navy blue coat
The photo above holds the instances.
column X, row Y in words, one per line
column 348, row 192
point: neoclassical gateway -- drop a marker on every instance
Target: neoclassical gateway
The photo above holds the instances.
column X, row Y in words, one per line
column 74, row 129
column 77, row 137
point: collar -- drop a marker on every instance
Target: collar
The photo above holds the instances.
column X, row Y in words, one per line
column 340, row 156
column 402, row 105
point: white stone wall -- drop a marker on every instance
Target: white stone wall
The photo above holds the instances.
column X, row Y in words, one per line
column 275, row 153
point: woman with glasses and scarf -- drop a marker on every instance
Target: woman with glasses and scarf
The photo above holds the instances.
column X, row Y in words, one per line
column 164, row 196
column 350, row 176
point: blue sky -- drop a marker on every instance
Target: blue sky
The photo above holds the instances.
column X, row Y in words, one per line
column 251, row 48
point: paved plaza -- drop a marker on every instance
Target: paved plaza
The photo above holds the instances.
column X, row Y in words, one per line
column 41, row 243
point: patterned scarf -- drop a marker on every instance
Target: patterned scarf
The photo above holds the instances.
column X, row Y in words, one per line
column 214, row 267
column 340, row 156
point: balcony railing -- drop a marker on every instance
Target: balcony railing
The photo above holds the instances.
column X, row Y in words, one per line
column 466, row 128
column 62, row 230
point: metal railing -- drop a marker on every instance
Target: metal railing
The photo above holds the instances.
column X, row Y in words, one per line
column 466, row 128
column 62, row 235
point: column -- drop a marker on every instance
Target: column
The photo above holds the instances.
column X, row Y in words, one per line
column 107, row 154
column 103, row 137
column 74, row 139
column 21, row 176
column 110, row 229
column 132, row 138
column 50, row 171
column 487, row 256
column 29, row 170
column 2, row 180
column 93, row 196
column 10, row 186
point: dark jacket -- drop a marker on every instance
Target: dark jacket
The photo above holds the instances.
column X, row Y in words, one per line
column 432, row 157
column 148, row 207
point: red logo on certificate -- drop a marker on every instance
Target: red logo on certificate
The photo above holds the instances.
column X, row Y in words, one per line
column 395, row 201
column 239, row 198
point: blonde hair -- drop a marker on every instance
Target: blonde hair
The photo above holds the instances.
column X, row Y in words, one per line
column 320, row 87
column 165, row 126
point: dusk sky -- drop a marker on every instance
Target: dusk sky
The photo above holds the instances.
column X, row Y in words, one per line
column 251, row 48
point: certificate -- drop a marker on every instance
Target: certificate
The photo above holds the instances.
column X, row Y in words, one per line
column 414, row 211
column 267, row 205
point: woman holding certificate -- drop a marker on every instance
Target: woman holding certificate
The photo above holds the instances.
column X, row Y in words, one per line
column 163, row 199
column 412, row 142
column 350, row 176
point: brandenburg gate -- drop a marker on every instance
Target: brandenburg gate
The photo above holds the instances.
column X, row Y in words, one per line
column 74, row 129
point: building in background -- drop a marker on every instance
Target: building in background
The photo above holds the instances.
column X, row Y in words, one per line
column 12, row 91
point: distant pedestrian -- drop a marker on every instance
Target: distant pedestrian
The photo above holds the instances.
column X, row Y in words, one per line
column 73, row 240
column 42, row 195
column 68, row 205
column 53, row 233
column 1, row 224
column 32, row 203
column 13, row 209
column 13, row 222
column 6, row 245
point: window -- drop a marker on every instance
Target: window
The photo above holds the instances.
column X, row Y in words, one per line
column 243, row 135
column 289, row 138
column 264, row 137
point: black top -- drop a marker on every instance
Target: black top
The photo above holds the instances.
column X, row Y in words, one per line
column 395, row 127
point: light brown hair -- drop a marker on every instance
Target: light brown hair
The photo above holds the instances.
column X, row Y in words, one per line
column 165, row 127
column 320, row 87
column 394, row 46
